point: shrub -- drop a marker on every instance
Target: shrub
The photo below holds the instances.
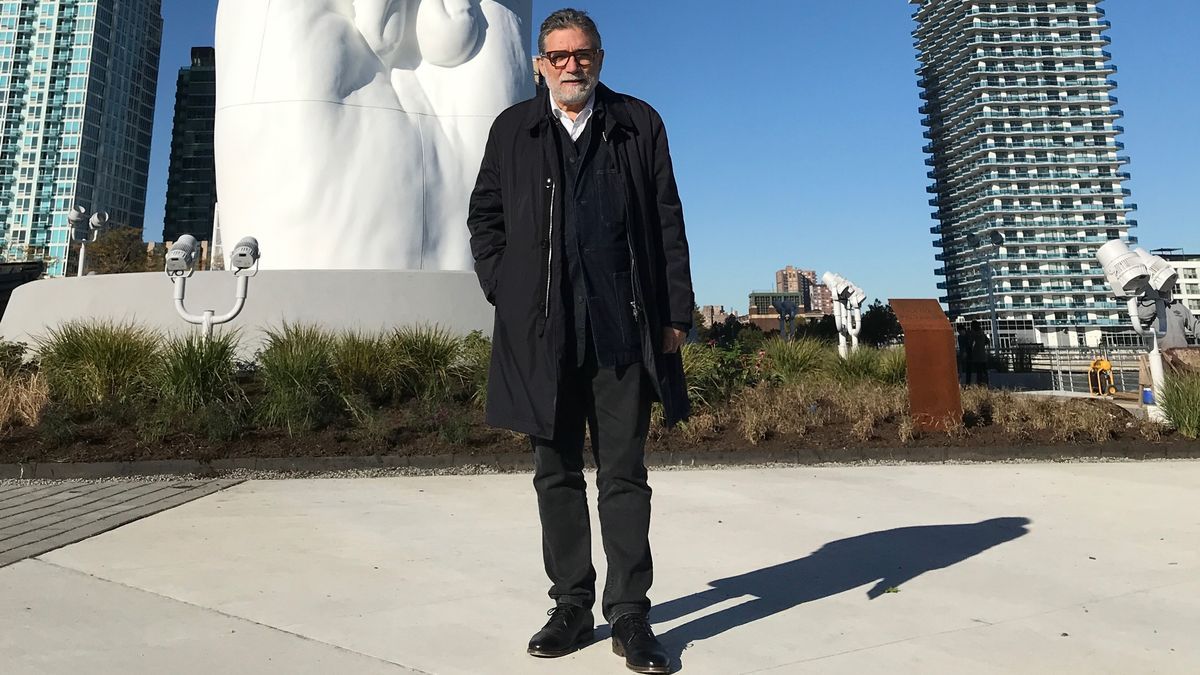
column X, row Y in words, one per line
column 476, row 360
column 299, row 384
column 197, row 386
column 1181, row 402
column 429, row 362
column 12, row 357
column 893, row 366
column 100, row 364
column 715, row 375
column 860, row 365
column 364, row 368
column 23, row 399
column 788, row 362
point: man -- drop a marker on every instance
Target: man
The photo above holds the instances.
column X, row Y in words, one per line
column 978, row 357
column 1180, row 321
column 964, row 353
column 578, row 238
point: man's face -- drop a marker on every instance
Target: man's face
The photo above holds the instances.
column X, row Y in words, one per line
column 570, row 82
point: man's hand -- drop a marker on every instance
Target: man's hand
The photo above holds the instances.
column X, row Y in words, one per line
column 673, row 339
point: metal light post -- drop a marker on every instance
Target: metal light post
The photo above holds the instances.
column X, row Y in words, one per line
column 1138, row 275
column 85, row 231
column 996, row 241
column 180, row 265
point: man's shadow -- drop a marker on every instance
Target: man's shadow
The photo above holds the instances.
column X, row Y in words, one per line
column 887, row 559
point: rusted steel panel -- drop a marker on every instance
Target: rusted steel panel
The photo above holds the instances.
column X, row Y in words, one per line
column 933, row 391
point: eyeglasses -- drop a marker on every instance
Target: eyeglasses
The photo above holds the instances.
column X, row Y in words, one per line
column 583, row 57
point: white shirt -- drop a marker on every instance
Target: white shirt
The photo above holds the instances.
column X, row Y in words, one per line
column 575, row 126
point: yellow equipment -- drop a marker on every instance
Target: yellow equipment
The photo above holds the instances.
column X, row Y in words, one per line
column 1100, row 378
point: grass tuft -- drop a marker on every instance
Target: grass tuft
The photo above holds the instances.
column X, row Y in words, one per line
column 100, row 366
column 1181, row 402
column 300, row 391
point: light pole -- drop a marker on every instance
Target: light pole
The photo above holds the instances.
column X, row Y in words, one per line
column 1139, row 276
column 995, row 241
column 85, row 230
column 181, row 263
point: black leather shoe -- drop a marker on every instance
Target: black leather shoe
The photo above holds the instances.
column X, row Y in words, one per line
column 633, row 639
column 568, row 629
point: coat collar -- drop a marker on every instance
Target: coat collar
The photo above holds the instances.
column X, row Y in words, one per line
column 610, row 106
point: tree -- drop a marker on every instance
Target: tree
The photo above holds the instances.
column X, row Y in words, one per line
column 117, row 251
column 156, row 259
column 824, row 328
column 880, row 326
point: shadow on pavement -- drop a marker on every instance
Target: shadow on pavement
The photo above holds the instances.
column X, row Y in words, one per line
column 887, row 559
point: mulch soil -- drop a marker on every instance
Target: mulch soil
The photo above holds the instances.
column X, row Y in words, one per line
column 403, row 434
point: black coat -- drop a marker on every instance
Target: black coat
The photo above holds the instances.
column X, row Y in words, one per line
column 516, row 239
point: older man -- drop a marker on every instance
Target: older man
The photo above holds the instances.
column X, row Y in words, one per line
column 578, row 238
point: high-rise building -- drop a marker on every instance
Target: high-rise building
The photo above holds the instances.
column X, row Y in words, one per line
column 77, row 88
column 792, row 280
column 192, row 177
column 1026, row 175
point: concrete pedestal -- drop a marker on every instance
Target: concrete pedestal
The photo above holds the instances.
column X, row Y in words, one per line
column 363, row 300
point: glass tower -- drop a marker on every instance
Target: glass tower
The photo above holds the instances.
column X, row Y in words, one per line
column 192, row 179
column 77, row 88
column 1026, row 171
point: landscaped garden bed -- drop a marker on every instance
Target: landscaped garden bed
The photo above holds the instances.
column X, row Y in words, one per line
column 115, row 393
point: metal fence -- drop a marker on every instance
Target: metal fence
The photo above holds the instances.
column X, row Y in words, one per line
column 1064, row 368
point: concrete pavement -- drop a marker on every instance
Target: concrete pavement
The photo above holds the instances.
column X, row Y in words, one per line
column 1032, row 568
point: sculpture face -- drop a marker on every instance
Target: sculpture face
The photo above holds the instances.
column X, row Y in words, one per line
column 349, row 132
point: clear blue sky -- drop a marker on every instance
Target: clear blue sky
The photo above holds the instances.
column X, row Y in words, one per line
column 795, row 131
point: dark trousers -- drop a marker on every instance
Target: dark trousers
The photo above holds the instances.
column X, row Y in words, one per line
column 615, row 406
column 978, row 370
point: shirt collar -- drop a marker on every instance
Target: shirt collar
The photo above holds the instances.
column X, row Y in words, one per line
column 583, row 116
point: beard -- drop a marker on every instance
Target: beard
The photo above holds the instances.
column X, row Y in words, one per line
column 574, row 95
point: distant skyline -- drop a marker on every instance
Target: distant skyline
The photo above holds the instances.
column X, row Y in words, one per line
column 795, row 132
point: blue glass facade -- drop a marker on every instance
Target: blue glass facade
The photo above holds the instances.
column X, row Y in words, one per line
column 1026, row 166
column 77, row 90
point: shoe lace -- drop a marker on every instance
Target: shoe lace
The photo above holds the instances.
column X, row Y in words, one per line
column 636, row 625
column 560, row 614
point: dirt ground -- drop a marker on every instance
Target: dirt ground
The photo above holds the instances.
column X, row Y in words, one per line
column 397, row 433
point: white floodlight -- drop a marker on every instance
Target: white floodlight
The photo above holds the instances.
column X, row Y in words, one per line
column 1126, row 271
column 79, row 223
column 1162, row 275
column 181, row 259
column 99, row 220
column 245, row 255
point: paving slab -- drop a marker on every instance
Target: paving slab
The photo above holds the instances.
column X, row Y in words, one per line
column 1033, row 568
column 38, row 518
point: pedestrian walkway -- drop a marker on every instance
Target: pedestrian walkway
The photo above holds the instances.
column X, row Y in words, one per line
column 1047, row 568
column 38, row 518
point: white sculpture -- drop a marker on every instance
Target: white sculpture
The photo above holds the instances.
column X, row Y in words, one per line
column 349, row 132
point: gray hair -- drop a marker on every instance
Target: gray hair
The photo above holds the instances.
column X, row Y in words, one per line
column 568, row 18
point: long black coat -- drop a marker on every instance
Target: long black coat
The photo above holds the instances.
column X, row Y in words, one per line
column 516, row 238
